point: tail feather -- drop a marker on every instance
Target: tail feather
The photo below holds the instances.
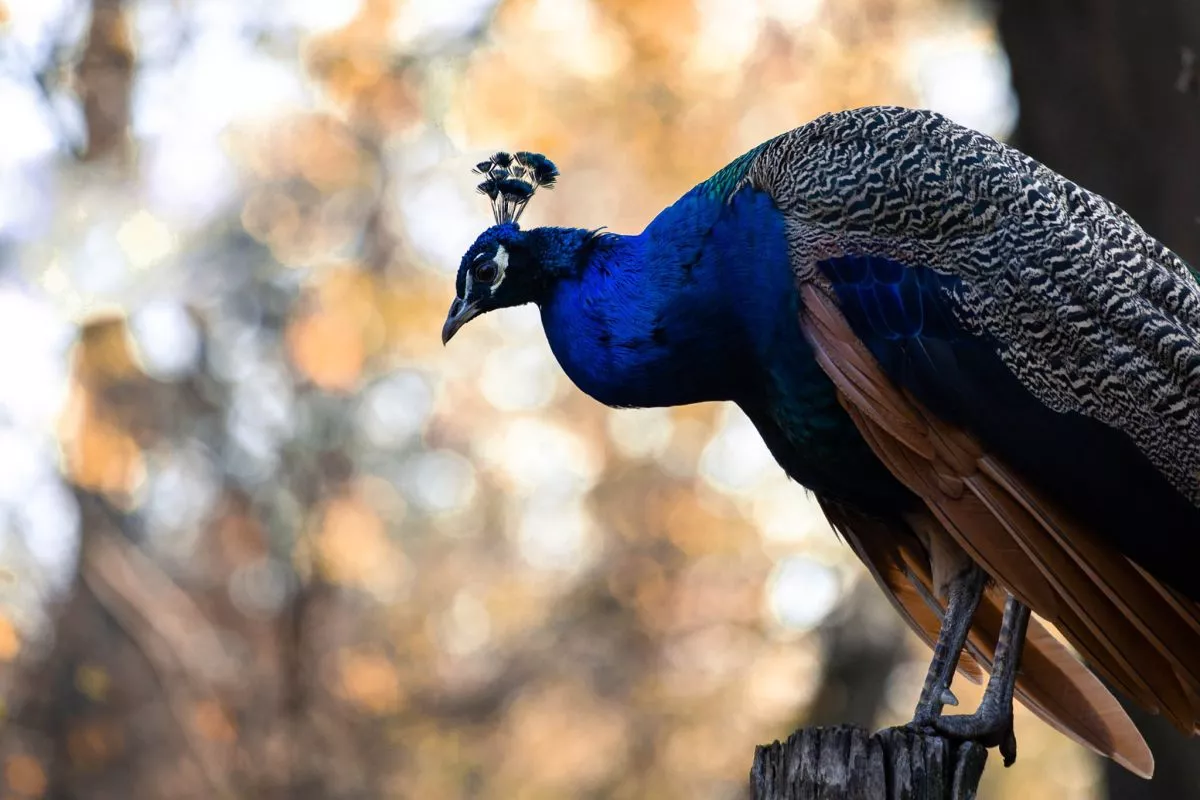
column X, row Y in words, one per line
column 1064, row 693
column 1125, row 642
column 1173, row 628
column 1053, row 684
column 1060, row 690
column 987, row 539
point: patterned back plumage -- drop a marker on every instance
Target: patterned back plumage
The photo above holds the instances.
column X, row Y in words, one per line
column 1090, row 312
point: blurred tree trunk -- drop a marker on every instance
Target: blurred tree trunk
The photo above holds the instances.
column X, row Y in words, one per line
column 1105, row 100
column 1109, row 97
column 105, row 79
column 69, row 701
column 863, row 641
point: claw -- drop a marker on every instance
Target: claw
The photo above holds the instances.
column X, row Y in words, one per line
column 992, row 723
column 1008, row 747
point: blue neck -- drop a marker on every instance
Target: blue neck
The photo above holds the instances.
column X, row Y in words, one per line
column 689, row 310
column 702, row 305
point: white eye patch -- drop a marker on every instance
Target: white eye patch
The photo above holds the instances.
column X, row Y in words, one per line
column 501, row 260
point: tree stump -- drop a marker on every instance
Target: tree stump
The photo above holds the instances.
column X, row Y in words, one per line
column 849, row 763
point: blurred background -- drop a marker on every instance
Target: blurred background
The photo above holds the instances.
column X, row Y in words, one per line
column 263, row 537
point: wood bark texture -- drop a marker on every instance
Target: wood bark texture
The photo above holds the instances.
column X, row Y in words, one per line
column 849, row 763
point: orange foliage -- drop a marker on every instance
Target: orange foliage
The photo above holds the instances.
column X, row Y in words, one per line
column 10, row 640
column 588, row 736
column 93, row 743
column 361, row 73
column 25, row 775
column 104, row 352
column 331, row 342
column 370, row 681
column 351, row 544
column 354, row 316
column 99, row 452
column 103, row 458
column 214, row 722
column 328, row 349
column 325, row 151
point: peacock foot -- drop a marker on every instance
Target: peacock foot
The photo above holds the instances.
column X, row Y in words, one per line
column 992, row 723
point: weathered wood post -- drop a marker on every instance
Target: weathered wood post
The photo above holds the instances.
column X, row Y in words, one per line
column 849, row 763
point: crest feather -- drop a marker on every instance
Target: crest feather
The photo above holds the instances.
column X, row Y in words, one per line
column 511, row 180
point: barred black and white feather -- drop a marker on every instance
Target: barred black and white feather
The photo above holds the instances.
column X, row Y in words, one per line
column 1091, row 313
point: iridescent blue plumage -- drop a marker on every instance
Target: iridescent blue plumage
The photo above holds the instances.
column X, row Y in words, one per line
column 965, row 357
column 669, row 316
column 700, row 306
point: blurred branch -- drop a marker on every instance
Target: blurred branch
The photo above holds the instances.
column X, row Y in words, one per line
column 164, row 624
column 133, row 587
column 49, row 74
column 294, row 661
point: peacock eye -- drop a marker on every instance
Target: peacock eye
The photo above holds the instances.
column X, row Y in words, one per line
column 486, row 272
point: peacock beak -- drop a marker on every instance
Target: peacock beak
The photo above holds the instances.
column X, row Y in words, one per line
column 461, row 312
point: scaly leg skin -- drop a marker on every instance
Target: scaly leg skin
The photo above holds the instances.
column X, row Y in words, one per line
column 992, row 722
column 963, row 598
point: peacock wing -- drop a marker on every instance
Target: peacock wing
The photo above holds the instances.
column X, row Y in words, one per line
column 1142, row 638
column 1086, row 312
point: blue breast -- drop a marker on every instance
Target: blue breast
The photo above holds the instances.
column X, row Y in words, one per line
column 702, row 306
column 678, row 313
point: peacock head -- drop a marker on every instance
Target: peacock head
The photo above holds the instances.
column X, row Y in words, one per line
column 505, row 266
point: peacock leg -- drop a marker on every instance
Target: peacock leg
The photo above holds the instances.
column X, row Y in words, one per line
column 963, row 596
column 992, row 722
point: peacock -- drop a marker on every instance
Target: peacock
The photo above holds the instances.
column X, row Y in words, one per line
column 987, row 375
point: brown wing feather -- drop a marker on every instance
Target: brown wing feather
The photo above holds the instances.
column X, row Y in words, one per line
column 1144, row 639
column 1186, row 608
column 961, row 515
column 1173, row 627
column 1053, row 684
column 1091, row 602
